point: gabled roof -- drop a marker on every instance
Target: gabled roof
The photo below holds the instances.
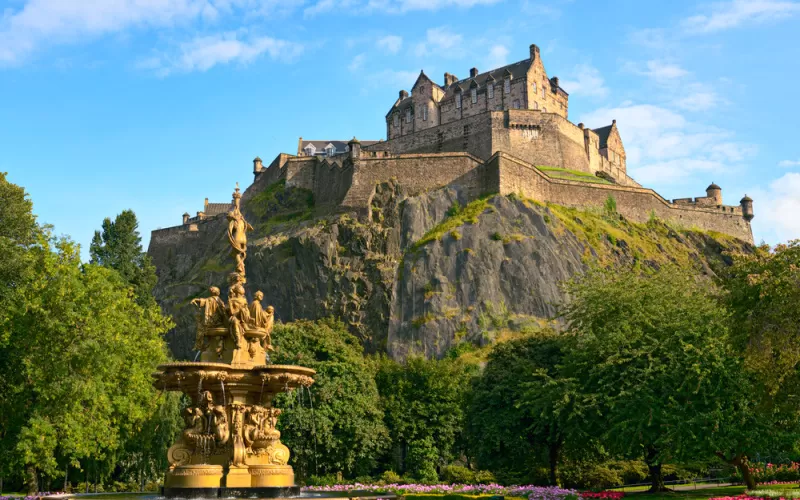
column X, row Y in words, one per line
column 341, row 146
column 423, row 78
column 218, row 208
column 603, row 133
column 515, row 70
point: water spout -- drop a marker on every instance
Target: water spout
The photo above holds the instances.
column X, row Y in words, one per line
column 261, row 397
column 197, row 355
column 222, row 383
column 313, row 428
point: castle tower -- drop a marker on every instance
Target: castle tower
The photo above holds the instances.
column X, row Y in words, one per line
column 715, row 192
column 257, row 165
column 747, row 208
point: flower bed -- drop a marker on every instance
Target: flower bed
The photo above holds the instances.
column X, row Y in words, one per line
column 418, row 491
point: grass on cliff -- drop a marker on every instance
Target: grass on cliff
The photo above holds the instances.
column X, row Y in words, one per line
column 609, row 236
column 572, row 175
column 457, row 216
column 278, row 204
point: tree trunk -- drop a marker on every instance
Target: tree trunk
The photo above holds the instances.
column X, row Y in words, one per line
column 554, row 455
column 30, row 480
column 654, row 469
column 66, row 477
column 743, row 464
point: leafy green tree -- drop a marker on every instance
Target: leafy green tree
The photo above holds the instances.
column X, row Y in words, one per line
column 512, row 415
column 651, row 367
column 118, row 246
column 343, row 431
column 423, row 403
column 77, row 356
column 762, row 293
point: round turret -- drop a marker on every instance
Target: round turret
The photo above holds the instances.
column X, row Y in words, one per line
column 747, row 208
column 714, row 191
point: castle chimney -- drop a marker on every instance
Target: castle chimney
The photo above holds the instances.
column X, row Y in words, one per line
column 715, row 192
column 257, row 165
column 473, row 72
column 554, row 82
column 185, row 218
column 205, row 206
column 449, row 79
column 580, row 126
column 613, row 122
column 534, row 51
column 747, row 208
column 403, row 94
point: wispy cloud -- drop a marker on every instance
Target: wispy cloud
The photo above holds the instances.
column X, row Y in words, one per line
column 732, row 14
column 357, row 62
column 585, row 80
column 398, row 79
column 698, row 98
column 777, row 206
column 203, row 53
column 789, row 163
column 391, row 6
column 662, row 146
column 498, row 56
column 390, row 43
column 440, row 40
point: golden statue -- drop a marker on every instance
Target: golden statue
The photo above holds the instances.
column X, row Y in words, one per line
column 263, row 319
column 212, row 316
column 238, row 314
column 237, row 232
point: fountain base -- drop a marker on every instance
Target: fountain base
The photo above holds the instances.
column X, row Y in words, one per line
column 287, row 492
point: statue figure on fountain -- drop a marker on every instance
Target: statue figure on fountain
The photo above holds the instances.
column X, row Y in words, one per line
column 237, row 233
column 212, row 315
column 263, row 319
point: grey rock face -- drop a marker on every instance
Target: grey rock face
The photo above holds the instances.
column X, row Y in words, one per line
column 491, row 265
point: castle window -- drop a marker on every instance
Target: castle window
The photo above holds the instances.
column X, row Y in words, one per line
column 490, row 90
column 330, row 150
column 408, row 115
column 534, row 87
column 474, row 96
column 536, row 105
column 396, row 119
column 516, row 104
column 458, row 99
column 543, row 91
column 425, row 113
column 309, row 150
column 507, row 86
column 544, row 109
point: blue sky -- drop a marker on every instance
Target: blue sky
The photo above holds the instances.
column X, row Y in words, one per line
column 155, row 104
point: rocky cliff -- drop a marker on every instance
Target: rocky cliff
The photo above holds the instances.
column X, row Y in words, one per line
column 425, row 273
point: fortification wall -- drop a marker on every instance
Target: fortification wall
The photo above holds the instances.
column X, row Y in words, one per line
column 416, row 173
column 634, row 203
column 471, row 135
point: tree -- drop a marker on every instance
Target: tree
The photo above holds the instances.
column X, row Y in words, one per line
column 118, row 246
column 423, row 403
column 650, row 365
column 762, row 293
column 77, row 356
column 512, row 412
column 337, row 426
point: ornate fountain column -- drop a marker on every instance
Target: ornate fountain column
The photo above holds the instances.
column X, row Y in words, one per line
column 230, row 440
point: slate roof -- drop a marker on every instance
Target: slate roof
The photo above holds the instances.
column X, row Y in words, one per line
column 603, row 133
column 341, row 146
column 518, row 70
column 218, row 208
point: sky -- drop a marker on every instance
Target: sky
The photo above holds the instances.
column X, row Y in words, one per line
column 154, row 105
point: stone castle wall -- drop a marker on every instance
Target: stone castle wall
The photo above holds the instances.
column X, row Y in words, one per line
column 635, row 203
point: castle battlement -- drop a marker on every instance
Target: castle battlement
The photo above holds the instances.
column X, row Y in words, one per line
column 503, row 131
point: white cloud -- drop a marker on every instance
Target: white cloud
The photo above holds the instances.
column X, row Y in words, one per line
column 390, row 43
column 789, row 163
column 658, row 70
column 203, row 53
column 585, row 80
column 663, row 147
column 357, row 62
column 734, row 13
column 41, row 22
column 700, row 100
column 393, row 79
column 391, row 6
column 498, row 56
column 440, row 40
column 776, row 209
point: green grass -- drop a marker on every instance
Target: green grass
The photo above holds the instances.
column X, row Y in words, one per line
column 457, row 216
column 572, row 175
column 700, row 493
column 278, row 204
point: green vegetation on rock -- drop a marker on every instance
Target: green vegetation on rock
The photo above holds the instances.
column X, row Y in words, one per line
column 572, row 175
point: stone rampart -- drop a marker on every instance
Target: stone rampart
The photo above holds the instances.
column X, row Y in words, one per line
column 635, row 203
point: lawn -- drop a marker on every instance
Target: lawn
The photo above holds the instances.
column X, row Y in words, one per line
column 702, row 493
column 571, row 175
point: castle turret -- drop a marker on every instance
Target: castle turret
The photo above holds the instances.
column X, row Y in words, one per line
column 747, row 208
column 715, row 192
column 355, row 149
column 257, row 165
column 186, row 218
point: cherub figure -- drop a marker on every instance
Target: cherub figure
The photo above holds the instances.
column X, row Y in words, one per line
column 211, row 315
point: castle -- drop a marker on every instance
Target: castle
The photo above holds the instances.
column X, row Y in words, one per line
column 504, row 131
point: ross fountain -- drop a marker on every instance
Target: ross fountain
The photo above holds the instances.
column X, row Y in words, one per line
column 230, row 446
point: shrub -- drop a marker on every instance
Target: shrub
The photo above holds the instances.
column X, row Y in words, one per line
column 458, row 474
column 391, row 477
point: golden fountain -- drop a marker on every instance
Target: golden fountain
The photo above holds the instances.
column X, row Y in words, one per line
column 230, row 446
